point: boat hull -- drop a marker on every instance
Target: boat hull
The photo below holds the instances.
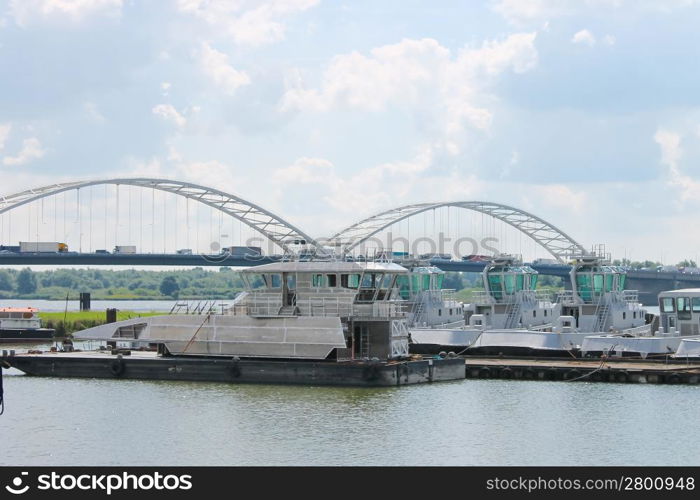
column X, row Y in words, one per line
column 688, row 348
column 435, row 340
column 526, row 343
column 149, row 366
column 12, row 335
column 615, row 345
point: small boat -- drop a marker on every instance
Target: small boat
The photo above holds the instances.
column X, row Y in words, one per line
column 22, row 324
column 677, row 331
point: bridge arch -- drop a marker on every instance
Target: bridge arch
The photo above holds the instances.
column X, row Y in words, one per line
column 265, row 222
column 554, row 240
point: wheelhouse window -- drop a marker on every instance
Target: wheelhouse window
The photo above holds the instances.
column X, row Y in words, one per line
column 317, row 281
column 533, row 281
column 372, row 280
column 667, row 305
column 609, row 279
column 683, row 306
column 404, row 287
column 583, row 285
column 272, row 280
column 332, row 280
column 256, row 281
column 385, row 287
column 291, row 281
column 696, row 304
column 509, row 284
column 597, row 284
column 350, row 280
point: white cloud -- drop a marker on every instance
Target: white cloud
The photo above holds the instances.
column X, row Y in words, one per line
column 609, row 39
column 584, row 37
column 247, row 22
column 31, row 150
column 420, row 75
column 5, row 129
column 217, row 68
column 169, row 113
column 319, row 180
column 670, row 143
column 671, row 153
column 26, row 11
column 165, row 88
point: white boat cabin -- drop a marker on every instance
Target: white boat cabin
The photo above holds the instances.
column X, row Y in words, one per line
column 510, row 299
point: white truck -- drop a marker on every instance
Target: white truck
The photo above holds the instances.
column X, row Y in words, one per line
column 124, row 249
column 42, row 247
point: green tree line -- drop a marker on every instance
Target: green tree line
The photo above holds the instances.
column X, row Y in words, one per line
column 123, row 284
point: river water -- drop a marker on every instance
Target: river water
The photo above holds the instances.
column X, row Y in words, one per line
column 471, row 422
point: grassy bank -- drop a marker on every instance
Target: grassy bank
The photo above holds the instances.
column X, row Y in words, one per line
column 73, row 321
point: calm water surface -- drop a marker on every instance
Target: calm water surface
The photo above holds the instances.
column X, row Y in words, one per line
column 471, row 422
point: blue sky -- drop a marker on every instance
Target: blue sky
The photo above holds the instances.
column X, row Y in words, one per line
column 584, row 112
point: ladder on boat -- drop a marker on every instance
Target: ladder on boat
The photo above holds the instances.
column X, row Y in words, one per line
column 602, row 317
column 513, row 315
column 418, row 310
column 364, row 342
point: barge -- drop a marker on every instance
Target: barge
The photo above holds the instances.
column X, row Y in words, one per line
column 149, row 365
column 313, row 322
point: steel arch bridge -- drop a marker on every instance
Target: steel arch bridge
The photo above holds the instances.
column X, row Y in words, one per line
column 554, row 240
column 265, row 222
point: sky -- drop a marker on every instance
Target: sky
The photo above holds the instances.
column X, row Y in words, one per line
column 583, row 112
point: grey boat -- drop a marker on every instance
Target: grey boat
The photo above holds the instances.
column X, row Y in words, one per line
column 314, row 322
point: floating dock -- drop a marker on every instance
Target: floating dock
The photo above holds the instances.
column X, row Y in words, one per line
column 147, row 365
column 621, row 370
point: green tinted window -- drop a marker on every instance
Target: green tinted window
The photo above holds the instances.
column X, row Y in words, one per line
column 583, row 285
column 426, row 282
column 623, row 278
column 403, row 286
column 509, row 284
column 317, row 280
column 533, row 281
column 440, row 279
column 495, row 286
column 598, row 284
column 609, row 278
column 519, row 282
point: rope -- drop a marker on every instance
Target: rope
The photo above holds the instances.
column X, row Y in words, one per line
column 195, row 333
column 603, row 361
column 2, row 400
